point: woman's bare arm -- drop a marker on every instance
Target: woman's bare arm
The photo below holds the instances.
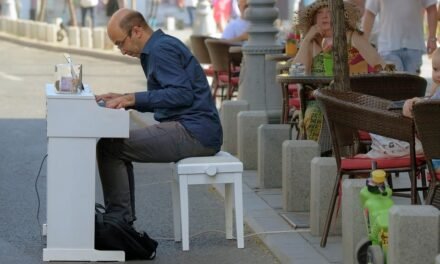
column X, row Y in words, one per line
column 366, row 50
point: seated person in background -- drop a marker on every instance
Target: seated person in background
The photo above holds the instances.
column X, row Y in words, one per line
column 314, row 21
column 434, row 94
column 236, row 30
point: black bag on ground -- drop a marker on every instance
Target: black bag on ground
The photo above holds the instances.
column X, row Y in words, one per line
column 112, row 233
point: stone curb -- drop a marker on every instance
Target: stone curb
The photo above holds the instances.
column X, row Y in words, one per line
column 107, row 55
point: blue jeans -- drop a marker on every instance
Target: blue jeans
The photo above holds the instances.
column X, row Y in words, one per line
column 191, row 14
column 408, row 60
column 436, row 164
column 84, row 11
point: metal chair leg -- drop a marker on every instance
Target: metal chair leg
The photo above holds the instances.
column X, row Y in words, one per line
column 331, row 210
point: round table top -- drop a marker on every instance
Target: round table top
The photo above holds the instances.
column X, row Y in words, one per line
column 304, row 79
column 277, row 57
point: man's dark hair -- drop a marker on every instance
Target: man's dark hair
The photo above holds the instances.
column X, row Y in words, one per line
column 132, row 19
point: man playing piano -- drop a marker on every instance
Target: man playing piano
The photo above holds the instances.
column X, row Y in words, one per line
column 179, row 96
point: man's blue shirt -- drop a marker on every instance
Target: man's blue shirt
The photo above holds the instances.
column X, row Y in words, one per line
column 178, row 89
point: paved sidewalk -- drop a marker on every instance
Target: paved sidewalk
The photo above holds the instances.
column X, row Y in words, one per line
column 262, row 207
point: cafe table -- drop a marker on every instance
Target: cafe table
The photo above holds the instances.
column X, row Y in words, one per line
column 277, row 57
column 310, row 80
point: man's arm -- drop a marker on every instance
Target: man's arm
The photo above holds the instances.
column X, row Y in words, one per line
column 241, row 38
column 431, row 44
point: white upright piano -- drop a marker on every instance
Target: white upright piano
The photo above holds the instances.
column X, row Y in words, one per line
column 74, row 124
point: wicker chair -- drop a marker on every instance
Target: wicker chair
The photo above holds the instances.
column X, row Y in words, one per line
column 390, row 86
column 225, row 66
column 426, row 115
column 200, row 51
column 394, row 86
column 199, row 48
column 346, row 113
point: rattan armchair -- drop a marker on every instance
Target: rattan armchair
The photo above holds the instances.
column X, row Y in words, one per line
column 200, row 51
column 199, row 48
column 391, row 86
column 348, row 112
column 426, row 119
column 225, row 65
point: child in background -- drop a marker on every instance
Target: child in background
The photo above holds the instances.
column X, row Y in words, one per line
column 434, row 94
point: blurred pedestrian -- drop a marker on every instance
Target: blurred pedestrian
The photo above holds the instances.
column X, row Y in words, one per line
column 190, row 6
column 9, row 9
column 222, row 12
column 235, row 10
column 88, row 6
column 401, row 35
column 236, row 30
column 111, row 6
column 151, row 18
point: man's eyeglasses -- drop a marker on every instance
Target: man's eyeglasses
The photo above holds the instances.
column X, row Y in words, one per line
column 119, row 44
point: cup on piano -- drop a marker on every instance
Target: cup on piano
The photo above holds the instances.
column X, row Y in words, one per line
column 68, row 78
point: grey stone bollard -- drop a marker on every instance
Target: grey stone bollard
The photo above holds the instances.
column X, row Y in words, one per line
column 228, row 117
column 297, row 156
column 437, row 259
column 354, row 228
column 13, row 27
column 99, row 38
column 413, row 234
column 247, row 136
column 74, row 36
column 270, row 141
column 20, row 28
column 86, row 37
column 42, row 31
column 274, row 116
column 108, row 43
column 2, row 24
column 34, row 29
column 28, row 29
column 51, row 33
column 322, row 178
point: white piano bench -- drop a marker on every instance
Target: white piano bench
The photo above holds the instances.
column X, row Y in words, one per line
column 223, row 168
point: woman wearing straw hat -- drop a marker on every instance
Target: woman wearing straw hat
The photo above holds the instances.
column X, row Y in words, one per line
column 314, row 21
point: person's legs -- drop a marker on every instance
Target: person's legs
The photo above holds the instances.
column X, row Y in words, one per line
column 412, row 60
column 92, row 15
column 164, row 142
column 83, row 16
column 436, row 164
column 393, row 57
column 191, row 10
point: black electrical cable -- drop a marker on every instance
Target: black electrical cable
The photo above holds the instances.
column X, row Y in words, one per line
column 36, row 190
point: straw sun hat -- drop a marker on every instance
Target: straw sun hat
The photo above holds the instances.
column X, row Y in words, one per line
column 304, row 18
